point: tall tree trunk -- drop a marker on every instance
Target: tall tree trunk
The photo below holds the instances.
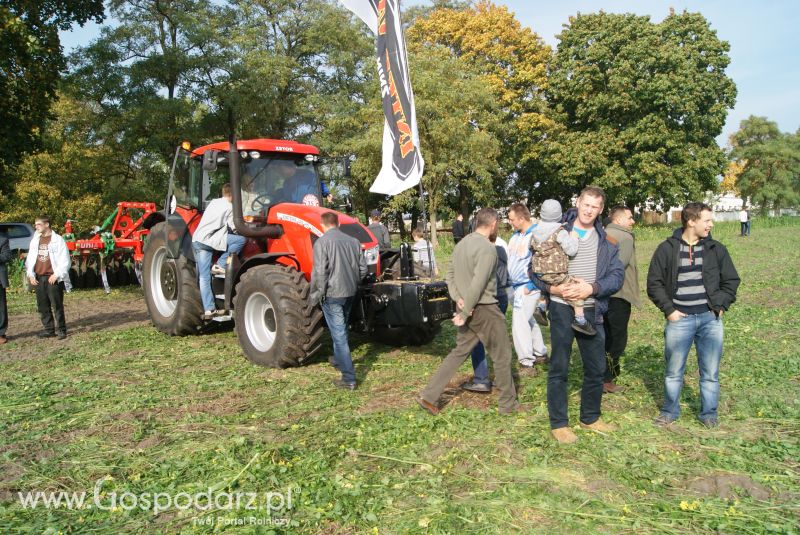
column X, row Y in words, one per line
column 401, row 224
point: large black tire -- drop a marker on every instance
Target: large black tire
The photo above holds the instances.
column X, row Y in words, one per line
column 406, row 336
column 276, row 325
column 171, row 290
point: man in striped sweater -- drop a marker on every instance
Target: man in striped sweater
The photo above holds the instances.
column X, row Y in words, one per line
column 693, row 281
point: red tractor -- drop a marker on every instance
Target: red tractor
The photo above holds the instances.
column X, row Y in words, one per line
column 277, row 203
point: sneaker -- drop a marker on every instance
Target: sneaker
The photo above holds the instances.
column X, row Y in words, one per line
column 542, row 359
column 710, row 423
column 585, row 328
column 61, row 336
column 599, row 426
column 564, row 435
column 663, row 420
column 480, row 388
column 341, row 383
column 208, row 314
column 216, row 269
column 540, row 315
column 45, row 334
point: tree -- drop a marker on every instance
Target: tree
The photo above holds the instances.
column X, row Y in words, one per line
column 770, row 176
column 454, row 110
column 639, row 105
column 511, row 61
column 72, row 177
column 31, row 62
column 732, row 172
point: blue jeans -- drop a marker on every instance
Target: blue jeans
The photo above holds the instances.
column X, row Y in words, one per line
column 203, row 255
column 235, row 245
column 479, row 366
column 337, row 312
column 593, row 355
column 706, row 331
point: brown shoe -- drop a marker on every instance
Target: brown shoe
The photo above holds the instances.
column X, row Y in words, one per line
column 3, row 340
column 612, row 388
column 564, row 435
column 599, row 427
column 430, row 407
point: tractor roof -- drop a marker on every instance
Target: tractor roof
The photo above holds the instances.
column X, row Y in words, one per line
column 266, row 145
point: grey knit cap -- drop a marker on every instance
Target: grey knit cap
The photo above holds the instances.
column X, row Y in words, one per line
column 551, row 211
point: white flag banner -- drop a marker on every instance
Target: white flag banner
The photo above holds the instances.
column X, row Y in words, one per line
column 402, row 160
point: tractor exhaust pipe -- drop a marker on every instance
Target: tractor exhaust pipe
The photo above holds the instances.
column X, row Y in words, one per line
column 270, row 231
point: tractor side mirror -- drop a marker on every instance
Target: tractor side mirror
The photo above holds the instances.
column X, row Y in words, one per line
column 210, row 160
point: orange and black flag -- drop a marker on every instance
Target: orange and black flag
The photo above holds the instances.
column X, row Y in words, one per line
column 402, row 161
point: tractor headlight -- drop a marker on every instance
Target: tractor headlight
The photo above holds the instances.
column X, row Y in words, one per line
column 371, row 255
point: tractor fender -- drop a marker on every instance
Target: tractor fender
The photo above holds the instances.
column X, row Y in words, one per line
column 253, row 261
column 153, row 219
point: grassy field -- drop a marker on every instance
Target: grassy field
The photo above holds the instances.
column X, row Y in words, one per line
column 121, row 408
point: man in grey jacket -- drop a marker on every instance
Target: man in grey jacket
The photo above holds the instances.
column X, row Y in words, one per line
column 618, row 315
column 5, row 258
column 339, row 266
column 472, row 284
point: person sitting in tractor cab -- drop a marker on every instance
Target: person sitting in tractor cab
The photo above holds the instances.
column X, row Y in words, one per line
column 299, row 185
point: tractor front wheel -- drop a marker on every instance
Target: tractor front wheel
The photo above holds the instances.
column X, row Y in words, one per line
column 276, row 325
column 171, row 290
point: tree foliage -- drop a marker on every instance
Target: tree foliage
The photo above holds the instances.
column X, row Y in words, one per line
column 639, row 105
column 770, row 176
column 511, row 60
column 31, row 62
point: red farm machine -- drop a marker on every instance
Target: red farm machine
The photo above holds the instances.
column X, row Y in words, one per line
column 265, row 289
column 112, row 254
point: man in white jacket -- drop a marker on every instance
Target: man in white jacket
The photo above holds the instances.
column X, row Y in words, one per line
column 47, row 267
column 212, row 235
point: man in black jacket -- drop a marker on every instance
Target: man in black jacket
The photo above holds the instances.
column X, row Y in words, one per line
column 5, row 258
column 693, row 281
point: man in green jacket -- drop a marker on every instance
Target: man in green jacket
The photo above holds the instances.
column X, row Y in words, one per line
column 472, row 284
column 615, row 322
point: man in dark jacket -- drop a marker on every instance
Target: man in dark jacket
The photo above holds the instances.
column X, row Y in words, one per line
column 600, row 275
column 339, row 266
column 5, row 258
column 693, row 281
column 458, row 228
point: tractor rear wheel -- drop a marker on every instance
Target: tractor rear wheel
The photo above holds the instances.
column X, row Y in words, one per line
column 171, row 290
column 276, row 325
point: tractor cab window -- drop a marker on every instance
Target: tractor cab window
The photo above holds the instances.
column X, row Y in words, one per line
column 269, row 181
column 187, row 179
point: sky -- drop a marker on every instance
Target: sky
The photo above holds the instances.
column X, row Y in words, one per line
column 764, row 37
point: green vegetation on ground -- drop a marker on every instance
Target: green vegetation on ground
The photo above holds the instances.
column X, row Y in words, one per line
column 155, row 414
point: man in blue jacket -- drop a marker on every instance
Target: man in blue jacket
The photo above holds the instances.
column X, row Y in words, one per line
column 600, row 274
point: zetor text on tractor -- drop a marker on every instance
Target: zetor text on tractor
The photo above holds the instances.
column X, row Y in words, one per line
column 277, row 204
